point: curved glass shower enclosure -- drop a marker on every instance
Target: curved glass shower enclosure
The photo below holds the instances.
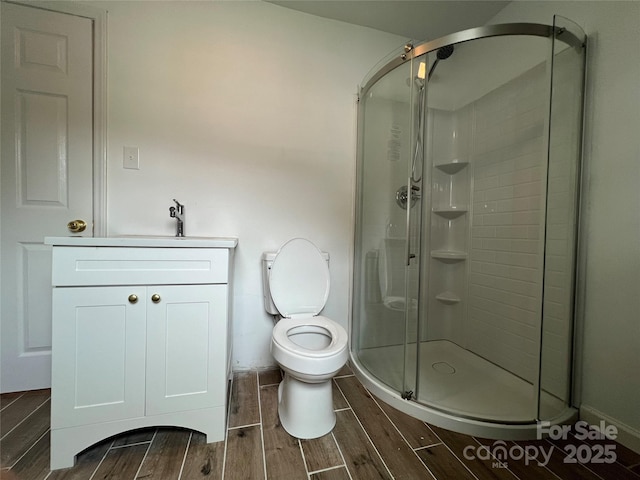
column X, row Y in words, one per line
column 466, row 228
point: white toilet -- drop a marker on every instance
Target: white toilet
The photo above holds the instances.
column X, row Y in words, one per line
column 310, row 348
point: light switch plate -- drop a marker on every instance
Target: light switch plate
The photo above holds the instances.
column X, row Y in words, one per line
column 131, row 158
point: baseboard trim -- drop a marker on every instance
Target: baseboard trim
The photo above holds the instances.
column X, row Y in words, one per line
column 627, row 436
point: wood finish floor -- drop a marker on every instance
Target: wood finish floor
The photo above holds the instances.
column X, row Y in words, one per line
column 371, row 440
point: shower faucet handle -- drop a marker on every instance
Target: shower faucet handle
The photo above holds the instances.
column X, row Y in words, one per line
column 403, row 197
column 179, row 206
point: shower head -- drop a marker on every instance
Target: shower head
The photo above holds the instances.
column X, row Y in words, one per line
column 444, row 52
column 441, row 54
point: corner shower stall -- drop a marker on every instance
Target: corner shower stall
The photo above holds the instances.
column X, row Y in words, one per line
column 468, row 174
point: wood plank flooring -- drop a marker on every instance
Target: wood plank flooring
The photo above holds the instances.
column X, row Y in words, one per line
column 371, row 440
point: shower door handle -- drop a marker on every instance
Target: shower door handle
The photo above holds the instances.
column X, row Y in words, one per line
column 413, row 195
column 408, row 255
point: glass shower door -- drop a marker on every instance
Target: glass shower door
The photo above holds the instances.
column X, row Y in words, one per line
column 387, row 240
column 480, row 330
column 563, row 173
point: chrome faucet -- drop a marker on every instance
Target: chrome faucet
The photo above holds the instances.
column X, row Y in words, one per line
column 177, row 212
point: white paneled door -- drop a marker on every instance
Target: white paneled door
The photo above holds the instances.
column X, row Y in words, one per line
column 46, row 175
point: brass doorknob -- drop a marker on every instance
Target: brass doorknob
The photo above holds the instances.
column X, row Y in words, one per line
column 155, row 298
column 77, row 226
column 133, row 298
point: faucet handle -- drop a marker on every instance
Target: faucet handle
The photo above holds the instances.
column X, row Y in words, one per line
column 172, row 212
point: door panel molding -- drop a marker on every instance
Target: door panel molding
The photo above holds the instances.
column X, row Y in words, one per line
column 99, row 18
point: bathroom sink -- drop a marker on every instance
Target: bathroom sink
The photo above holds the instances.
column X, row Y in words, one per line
column 146, row 241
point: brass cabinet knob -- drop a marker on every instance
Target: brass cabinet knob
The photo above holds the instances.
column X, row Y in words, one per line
column 133, row 298
column 77, row 226
column 155, row 298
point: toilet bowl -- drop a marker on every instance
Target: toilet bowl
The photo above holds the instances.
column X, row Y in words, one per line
column 309, row 348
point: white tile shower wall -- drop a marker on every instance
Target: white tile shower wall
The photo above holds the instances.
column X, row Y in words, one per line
column 504, row 287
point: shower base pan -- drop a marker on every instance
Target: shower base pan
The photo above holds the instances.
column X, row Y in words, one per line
column 458, row 390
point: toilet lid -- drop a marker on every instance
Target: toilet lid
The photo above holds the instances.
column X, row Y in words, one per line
column 299, row 279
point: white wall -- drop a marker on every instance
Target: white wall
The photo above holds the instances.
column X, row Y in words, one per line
column 243, row 111
column 611, row 324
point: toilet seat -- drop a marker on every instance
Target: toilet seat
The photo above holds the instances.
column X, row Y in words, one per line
column 299, row 279
column 280, row 336
column 308, row 364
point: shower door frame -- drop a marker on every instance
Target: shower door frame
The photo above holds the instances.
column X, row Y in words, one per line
column 473, row 426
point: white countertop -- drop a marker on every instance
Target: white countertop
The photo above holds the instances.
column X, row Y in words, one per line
column 144, row 241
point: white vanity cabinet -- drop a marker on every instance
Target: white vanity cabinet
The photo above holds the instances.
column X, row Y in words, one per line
column 141, row 338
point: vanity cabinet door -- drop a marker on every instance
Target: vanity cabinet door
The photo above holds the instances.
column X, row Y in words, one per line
column 98, row 372
column 186, row 347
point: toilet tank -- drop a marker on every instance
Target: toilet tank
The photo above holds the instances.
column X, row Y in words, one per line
column 267, row 261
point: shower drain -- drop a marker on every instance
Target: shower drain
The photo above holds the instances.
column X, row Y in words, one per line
column 443, row 367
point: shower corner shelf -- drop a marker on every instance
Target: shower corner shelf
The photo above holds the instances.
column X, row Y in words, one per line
column 452, row 167
column 451, row 212
column 448, row 298
column 449, row 256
